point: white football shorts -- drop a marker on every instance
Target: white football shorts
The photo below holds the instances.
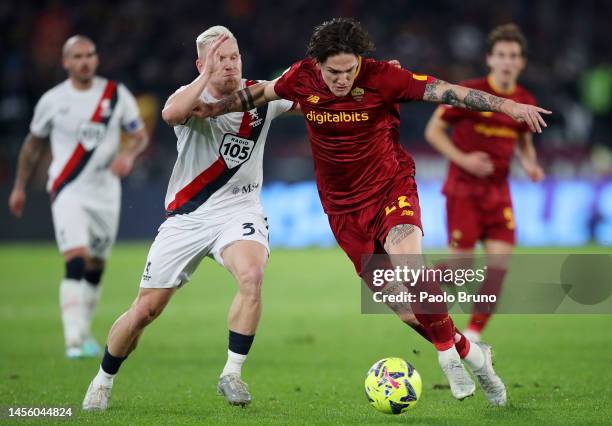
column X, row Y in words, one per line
column 182, row 242
column 81, row 221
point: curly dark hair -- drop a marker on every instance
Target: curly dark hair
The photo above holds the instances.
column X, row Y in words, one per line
column 340, row 35
column 507, row 32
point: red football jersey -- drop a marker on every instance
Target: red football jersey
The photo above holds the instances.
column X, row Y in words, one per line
column 491, row 132
column 354, row 138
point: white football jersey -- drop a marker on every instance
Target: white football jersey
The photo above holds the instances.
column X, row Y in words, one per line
column 85, row 128
column 220, row 160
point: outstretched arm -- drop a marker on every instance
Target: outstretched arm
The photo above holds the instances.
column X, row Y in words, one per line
column 243, row 100
column 28, row 158
column 442, row 92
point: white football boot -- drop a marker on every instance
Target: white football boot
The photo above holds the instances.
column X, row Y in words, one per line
column 489, row 381
column 97, row 397
column 461, row 384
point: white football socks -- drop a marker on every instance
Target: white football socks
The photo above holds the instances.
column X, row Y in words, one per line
column 445, row 356
column 103, row 378
column 71, row 304
column 475, row 358
column 91, row 296
column 233, row 364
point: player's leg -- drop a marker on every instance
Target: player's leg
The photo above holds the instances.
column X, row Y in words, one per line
column 173, row 257
column 498, row 255
column 499, row 228
column 94, row 268
column 70, row 226
column 243, row 250
column 122, row 340
column 103, row 223
column 403, row 243
column 71, row 300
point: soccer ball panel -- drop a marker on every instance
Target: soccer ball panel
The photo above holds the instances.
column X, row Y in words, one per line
column 393, row 386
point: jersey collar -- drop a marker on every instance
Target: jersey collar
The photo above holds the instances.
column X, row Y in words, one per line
column 498, row 89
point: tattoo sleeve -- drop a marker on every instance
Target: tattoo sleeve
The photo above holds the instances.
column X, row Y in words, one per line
column 442, row 92
column 242, row 100
column 28, row 158
column 399, row 233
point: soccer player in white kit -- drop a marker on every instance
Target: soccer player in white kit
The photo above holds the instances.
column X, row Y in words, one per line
column 213, row 209
column 83, row 118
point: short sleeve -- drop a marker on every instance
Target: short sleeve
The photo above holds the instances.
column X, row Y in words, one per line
column 276, row 108
column 285, row 85
column 43, row 118
column 400, row 85
column 130, row 119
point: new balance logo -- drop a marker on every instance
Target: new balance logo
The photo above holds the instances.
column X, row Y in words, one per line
column 312, row 99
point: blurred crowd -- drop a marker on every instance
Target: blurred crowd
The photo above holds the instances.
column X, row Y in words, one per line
column 150, row 46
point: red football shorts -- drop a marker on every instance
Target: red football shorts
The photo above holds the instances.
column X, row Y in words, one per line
column 482, row 215
column 362, row 233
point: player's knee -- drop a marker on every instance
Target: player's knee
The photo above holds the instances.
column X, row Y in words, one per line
column 75, row 268
column 144, row 312
column 250, row 280
column 250, row 275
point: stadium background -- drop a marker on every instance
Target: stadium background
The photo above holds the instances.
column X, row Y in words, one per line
column 152, row 52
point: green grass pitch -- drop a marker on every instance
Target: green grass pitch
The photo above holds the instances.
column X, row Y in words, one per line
column 309, row 359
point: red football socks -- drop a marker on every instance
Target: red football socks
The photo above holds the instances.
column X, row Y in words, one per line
column 483, row 310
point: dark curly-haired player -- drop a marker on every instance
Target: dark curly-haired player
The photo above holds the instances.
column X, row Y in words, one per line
column 365, row 179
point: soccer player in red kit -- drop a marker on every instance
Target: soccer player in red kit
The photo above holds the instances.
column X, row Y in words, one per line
column 478, row 203
column 365, row 179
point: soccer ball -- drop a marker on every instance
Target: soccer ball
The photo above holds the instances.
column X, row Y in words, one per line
column 393, row 386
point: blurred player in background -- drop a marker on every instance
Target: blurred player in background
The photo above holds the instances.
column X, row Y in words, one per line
column 83, row 118
column 213, row 209
column 478, row 203
column 365, row 178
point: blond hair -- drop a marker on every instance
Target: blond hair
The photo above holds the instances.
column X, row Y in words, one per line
column 210, row 35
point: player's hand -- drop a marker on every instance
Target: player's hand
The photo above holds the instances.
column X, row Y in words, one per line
column 395, row 63
column 17, row 201
column 534, row 171
column 122, row 164
column 477, row 163
column 530, row 114
column 212, row 61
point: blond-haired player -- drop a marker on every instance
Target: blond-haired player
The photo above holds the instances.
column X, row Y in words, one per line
column 213, row 209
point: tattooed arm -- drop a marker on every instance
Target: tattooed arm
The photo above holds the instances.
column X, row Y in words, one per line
column 247, row 98
column 28, row 158
column 440, row 91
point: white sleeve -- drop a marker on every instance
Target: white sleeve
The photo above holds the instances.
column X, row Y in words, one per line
column 43, row 118
column 279, row 107
column 130, row 118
